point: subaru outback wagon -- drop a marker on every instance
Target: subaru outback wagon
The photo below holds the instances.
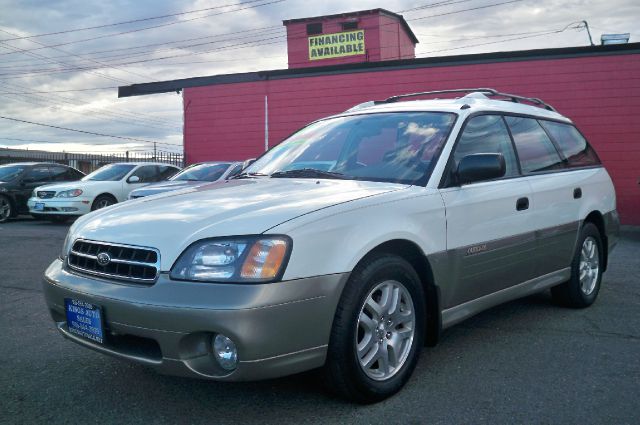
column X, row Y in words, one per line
column 348, row 246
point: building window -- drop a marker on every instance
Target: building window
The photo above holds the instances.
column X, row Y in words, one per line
column 349, row 26
column 313, row 29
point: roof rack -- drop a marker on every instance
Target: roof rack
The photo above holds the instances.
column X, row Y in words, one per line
column 486, row 91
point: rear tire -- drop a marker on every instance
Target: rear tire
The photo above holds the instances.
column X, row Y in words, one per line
column 582, row 289
column 378, row 330
column 103, row 201
column 6, row 208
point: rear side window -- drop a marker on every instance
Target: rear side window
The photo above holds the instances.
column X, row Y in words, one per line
column 167, row 171
column 61, row 174
column 147, row 174
column 486, row 134
column 535, row 149
column 39, row 174
column 574, row 147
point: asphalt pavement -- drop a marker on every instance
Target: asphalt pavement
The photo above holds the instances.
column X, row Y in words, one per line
column 528, row 361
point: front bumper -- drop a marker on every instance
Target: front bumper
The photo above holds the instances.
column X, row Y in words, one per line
column 279, row 329
column 60, row 206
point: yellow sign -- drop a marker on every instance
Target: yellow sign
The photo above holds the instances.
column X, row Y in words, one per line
column 337, row 45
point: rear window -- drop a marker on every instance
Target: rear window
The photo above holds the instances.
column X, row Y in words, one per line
column 574, row 147
column 535, row 150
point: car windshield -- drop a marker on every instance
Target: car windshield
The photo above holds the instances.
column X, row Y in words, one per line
column 10, row 172
column 390, row 147
column 202, row 172
column 112, row 173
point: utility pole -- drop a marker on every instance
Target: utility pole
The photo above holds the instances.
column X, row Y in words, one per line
column 586, row 25
column 154, row 150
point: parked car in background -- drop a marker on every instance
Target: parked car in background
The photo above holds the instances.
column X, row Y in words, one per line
column 205, row 172
column 106, row 186
column 18, row 180
column 348, row 246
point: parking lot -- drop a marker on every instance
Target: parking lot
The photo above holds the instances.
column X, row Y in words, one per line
column 528, row 361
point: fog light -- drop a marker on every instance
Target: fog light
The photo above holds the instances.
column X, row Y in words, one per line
column 69, row 209
column 225, row 352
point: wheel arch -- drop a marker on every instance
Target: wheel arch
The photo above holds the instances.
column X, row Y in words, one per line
column 412, row 253
column 110, row 195
column 596, row 218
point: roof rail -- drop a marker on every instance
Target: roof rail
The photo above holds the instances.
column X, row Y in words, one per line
column 486, row 91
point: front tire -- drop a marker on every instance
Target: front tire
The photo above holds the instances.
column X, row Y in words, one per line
column 582, row 289
column 103, row 201
column 6, row 208
column 378, row 330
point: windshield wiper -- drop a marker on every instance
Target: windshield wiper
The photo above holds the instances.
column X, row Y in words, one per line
column 249, row 175
column 309, row 173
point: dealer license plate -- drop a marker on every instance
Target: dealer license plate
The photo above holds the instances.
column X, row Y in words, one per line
column 84, row 319
column 39, row 206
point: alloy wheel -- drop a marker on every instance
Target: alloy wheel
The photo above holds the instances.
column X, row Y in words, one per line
column 5, row 209
column 589, row 265
column 385, row 330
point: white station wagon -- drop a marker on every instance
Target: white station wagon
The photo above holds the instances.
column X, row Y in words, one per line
column 349, row 246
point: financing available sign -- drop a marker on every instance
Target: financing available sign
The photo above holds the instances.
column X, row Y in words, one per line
column 337, row 45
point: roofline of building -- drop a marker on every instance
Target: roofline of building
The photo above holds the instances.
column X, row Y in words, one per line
column 404, row 23
column 278, row 74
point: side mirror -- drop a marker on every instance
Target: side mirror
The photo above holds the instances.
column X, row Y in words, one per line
column 133, row 179
column 480, row 166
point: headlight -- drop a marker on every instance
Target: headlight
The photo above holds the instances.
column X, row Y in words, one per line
column 257, row 259
column 69, row 193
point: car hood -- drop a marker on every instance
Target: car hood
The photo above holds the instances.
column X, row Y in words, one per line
column 87, row 184
column 172, row 221
column 165, row 186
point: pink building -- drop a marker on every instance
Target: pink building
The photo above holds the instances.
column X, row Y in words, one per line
column 371, row 36
column 238, row 116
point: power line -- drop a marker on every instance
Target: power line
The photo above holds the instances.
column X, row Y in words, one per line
column 95, row 116
column 129, row 22
column 87, row 132
column 18, row 68
column 256, row 31
column 502, row 41
column 247, row 44
column 162, row 25
column 121, row 113
column 71, row 142
column 465, row 10
column 61, row 91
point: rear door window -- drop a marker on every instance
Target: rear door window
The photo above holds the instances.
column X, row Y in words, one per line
column 167, row 171
column 535, row 150
column 61, row 174
column 38, row 174
column 573, row 145
column 147, row 174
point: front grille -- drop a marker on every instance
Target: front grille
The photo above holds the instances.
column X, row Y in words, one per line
column 125, row 262
column 46, row 194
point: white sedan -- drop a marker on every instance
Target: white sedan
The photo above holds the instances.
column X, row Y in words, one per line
column 106, row 186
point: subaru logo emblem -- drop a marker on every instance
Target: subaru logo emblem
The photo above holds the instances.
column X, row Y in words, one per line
column 103, row 259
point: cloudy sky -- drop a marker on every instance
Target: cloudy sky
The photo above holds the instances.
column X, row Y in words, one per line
column 62, row 61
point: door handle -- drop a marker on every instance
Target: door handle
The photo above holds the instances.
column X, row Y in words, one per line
column 577, row 193
column 522, row 204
